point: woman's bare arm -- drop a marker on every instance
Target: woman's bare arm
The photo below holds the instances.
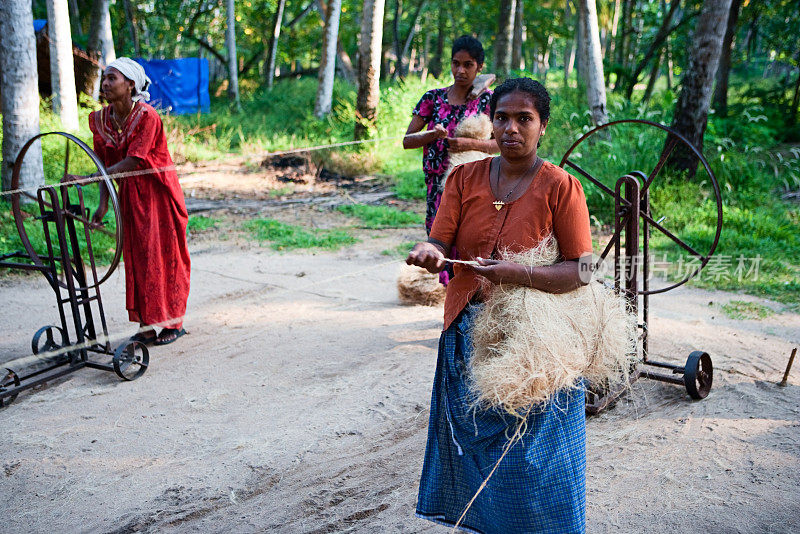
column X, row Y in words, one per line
column 413, row 139
column 462, row 144
column 558, row 278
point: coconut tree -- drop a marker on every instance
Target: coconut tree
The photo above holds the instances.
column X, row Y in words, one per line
column 233, row 64
column 505, row 37
column 592, row 64
column 20, row 92
column 327, row 64
column 691, row 110
column 101, row 40
column 273, row 42
column 62, row 70
column 369, row 67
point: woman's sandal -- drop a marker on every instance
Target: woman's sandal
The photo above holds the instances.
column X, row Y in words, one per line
column 145, row 339
column 168, row 335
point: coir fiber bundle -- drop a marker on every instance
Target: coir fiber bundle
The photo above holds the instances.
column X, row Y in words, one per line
column 529, row 344
column 416, row 285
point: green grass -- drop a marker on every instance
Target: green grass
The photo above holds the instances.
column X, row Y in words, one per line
column 282, row 236
column 399, row 251
column 378, row 217
column 201, row 223
column 740, row 309
column 743, row 150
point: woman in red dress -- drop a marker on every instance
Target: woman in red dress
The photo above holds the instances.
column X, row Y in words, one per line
column 129, row 136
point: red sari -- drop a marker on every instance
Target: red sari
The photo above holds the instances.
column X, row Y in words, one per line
column 154, row 216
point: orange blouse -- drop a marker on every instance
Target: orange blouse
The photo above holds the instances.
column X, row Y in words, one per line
column 553, row 203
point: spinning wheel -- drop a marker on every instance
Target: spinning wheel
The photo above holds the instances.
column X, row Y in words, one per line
column 65, row 236
column 75, row 208
column 634, row 201
column 650, row 139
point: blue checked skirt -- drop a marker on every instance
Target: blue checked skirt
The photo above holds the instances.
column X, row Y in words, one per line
column 540, row 486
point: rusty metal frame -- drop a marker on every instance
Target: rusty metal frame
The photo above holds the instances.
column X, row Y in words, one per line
column 631, row 197
column 83, row 328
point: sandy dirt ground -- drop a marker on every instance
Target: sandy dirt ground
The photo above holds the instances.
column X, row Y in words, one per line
column 299, row 403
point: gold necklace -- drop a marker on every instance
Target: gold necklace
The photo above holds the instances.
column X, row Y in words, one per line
column 498, row 204
column 121, row 124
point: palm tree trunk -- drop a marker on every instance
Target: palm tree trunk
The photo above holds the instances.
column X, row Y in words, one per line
column 20, row 92
column 517, row 59
column 505, row 37
column 721, row 90
column 62, row 69
column 101, row 40
column 369, row 64
column 130, row 15
column 327, row 64
column 233, row 64
column 691, row 110
column 273, row 42
column 595, row 83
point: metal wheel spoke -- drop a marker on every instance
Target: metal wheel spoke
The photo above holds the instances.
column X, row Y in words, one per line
column 613, row 241
column 594, row 180
column 672, row 142
column 672, row 236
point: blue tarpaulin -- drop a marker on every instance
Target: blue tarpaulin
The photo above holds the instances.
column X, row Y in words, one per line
column 38, row 24
column 179, row 85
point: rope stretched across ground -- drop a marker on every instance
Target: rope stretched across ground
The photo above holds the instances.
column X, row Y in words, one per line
column 129, row 174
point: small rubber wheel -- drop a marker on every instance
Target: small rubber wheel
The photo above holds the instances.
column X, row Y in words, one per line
column 44, row 340
column 131, row 360
column 10, row 380
column 698, row 375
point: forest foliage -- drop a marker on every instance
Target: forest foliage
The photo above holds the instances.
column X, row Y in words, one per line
column 753, row 145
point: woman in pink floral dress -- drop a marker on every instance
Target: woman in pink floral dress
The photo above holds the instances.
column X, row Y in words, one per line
column 441, row 110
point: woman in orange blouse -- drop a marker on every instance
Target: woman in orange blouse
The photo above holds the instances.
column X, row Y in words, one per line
column 508, row 203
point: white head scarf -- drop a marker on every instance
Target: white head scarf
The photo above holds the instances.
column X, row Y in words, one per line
column 135, row 73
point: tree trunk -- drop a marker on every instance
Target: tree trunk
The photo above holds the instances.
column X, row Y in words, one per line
column 344, row 65
column 595, row 83
column 75, row 18
column 670, row 66
column 233, row 66
column 723, row 71
column 101, row 40
column 327, row 63
column 505, row 37
column 20, row 92
column 369, row 64
column 437, row 64
column 62, row 69
column 517, row 60
column 426, row 50
column 545, row 59
column 654, row 73
column 796, row 97
column 622, row 35
column 130, row 15
column 273, row 43
column 580, row 49
column 569, row 47
column 691, row 110
column 398, row 13
column 612, row 39
column 411, row 32
column 655, row 46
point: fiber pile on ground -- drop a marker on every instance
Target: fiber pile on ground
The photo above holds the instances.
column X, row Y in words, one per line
column 416, row 285
column 529, row 344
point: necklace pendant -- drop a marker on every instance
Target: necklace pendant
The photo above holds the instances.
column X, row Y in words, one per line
column 498, row 204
